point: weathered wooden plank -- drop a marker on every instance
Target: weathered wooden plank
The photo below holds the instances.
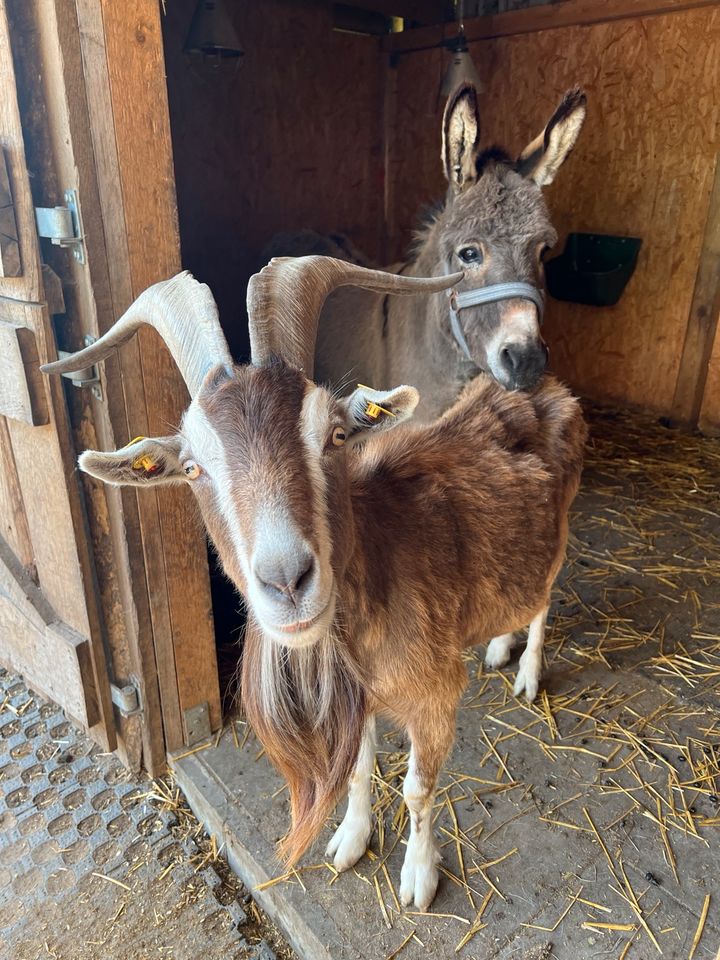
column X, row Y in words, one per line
column 709, row 419
column 548, row 16
column 21, row 394
column 9, row 241
column 13, row 523
column 60, row 145
column 52, row 657
column 26, row 285
column 703, row 319
column 186, row 652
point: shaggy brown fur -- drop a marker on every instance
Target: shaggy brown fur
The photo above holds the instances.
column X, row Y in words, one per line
column 460, row 530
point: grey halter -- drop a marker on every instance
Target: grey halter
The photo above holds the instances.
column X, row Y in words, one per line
column 492, row 294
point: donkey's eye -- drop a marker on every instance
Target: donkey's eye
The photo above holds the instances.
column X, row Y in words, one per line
column 470, row 255
column 191, row 470
column 338, row 436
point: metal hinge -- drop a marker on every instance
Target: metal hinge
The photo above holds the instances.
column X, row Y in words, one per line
column 88, row 376
column 63, row 225
column 126, row 699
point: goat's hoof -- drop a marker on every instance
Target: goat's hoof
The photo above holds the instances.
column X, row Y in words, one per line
column 528, row 677
column 349, row 843
column 498, row 651
column 418, row 883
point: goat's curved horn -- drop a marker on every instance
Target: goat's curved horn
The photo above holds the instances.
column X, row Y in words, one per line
column 284, row 301
column 185, row 315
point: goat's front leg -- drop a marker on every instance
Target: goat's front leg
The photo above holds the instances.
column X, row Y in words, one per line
column 498, row 650
column 431, row 741
column 351, row 838
column 530, row 667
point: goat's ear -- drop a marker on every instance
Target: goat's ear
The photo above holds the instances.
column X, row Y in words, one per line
column 541, row 159
column 371, row 411
column 460, row 136
column 147, row 460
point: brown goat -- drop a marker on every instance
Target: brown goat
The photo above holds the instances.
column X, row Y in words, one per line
column 367, row 569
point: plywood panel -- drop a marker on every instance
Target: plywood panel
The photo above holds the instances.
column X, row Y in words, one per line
column 643, row 166
column 710, row 411
column 292, row 140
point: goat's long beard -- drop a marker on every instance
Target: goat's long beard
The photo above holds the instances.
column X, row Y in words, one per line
column 308, row 709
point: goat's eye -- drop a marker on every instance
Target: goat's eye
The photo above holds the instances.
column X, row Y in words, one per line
column 543, row 251
column 338, row 436
column 191, row 470
column 470, row 255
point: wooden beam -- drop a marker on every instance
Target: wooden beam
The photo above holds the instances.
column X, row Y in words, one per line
column 703, row 319
column 173, row 542
column 569, row 13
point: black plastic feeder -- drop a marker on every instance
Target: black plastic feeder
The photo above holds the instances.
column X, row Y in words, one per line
column 594, row 268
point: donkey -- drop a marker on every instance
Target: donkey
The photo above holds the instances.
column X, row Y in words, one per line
column 369, row 558
column 494, row 225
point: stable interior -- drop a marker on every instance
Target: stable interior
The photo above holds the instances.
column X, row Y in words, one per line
column 340, row 132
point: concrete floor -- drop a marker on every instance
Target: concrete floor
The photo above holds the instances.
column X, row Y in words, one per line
column 583, row 826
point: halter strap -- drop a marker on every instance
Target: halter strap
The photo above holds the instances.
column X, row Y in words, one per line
column 513, row 290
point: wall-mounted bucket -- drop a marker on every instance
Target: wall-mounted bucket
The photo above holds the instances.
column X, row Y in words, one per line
column 593, row 268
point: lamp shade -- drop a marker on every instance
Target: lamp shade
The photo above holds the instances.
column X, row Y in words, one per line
column 212, row 33
column 461, row 69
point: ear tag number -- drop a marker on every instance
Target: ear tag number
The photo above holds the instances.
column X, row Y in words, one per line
column 373, row 410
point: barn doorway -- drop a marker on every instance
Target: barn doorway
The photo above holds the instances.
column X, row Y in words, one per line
column 345, row 138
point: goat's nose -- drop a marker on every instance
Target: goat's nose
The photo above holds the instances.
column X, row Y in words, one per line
column 285, row 577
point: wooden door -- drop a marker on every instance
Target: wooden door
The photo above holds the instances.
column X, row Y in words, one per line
column 90, row 77
column 50, row 628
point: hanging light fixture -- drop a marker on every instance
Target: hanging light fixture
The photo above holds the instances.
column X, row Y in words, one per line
column 461, row 68
column 212, row 34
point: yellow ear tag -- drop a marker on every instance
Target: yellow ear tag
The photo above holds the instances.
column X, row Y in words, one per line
column 145, row 462
column 374, row 410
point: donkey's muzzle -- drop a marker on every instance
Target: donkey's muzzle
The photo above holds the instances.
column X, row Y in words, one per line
column 522, row 364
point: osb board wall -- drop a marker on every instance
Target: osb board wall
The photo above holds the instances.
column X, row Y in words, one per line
column 710, row 410
column 292, row 140
column 643, row 167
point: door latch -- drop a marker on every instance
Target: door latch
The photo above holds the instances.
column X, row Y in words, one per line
column 63, row 225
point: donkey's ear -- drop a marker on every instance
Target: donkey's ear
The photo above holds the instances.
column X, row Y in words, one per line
column 372, row 411
column 146, row 460
column 541, row 159
column 460, row 136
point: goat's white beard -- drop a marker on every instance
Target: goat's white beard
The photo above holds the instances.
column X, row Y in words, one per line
column 301, row 683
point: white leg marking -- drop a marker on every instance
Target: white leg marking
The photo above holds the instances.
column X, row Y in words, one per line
column 351, row 838
column 530, row 668
column 498, row 650
column 419, row 877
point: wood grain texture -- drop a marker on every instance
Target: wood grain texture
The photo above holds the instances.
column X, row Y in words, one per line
column 20, row 398
column 13, row 522
column 292, row 140
column 185, row 648
column 703, row 319
column 643, row 167
column 9, row 242
column 50, row 655
column 709, row 419
column 27, row 285
column 544, row 16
